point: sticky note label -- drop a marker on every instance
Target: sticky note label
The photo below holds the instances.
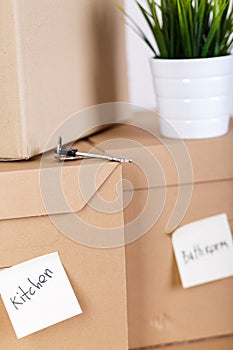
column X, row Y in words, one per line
column 197, row 251
column 24, row 295
column 204, row 251
column 37, row 294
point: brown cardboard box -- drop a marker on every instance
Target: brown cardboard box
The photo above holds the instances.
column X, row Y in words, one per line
column 56, row 58
column 98, row 276
column 160, row 311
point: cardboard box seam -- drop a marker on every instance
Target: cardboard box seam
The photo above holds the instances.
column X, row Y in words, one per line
column 186, row 342
column 182, row 184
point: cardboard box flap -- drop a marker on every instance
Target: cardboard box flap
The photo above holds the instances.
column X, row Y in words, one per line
column 164, row 162
column 27, row 187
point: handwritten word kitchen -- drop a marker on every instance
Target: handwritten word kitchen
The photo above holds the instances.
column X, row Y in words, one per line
column 198, row 252
column 25, row 295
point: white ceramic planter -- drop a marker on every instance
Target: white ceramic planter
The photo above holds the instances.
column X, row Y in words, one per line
column 194, row 96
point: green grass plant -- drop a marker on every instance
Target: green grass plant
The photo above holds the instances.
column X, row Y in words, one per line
column 186, row 28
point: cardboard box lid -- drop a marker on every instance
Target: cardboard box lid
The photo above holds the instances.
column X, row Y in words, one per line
column 194, row 160
column 22, row 184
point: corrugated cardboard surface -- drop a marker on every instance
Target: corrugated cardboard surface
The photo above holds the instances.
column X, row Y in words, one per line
column 160, row 311
column 98, row 276
column 57, row 58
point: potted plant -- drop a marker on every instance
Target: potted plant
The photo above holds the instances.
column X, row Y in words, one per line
column 192, row 64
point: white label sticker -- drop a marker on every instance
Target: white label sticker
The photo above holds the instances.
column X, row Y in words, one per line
column 204, row 251
column 37, row 294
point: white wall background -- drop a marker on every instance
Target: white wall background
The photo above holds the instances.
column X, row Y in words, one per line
column 138, row 56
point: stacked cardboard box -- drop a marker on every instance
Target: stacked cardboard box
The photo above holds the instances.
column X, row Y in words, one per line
column 57, row 58
column 160, row 311
column 98, row 276
column 161, row 314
